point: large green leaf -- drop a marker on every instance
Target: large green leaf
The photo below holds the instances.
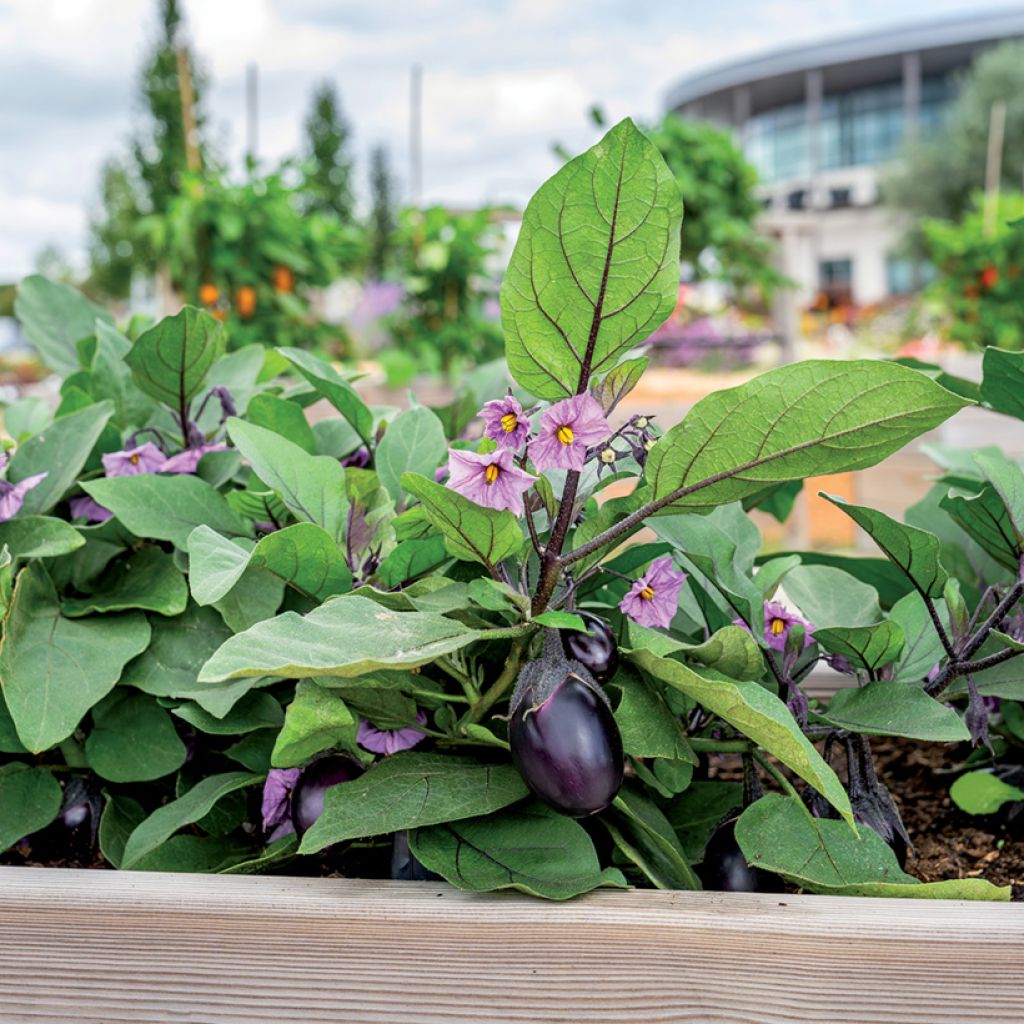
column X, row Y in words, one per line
column 758, row 714
column 29, row 800
column 344, row 637
column 983, row 516
column 253, row 711
column 55, row 318
column 170, row 507
column 915, row 551
column 806, row 419
column 39, row 537
column 315, row 720
column 823, row 856
column 646, row 723
column 335, row 388
column 302, row 555
column 282, row 417
column 596, row 266
column 410, row 790
column 186, row 810
column 146, row 579
column 170, row 361
column 411, row 559
column 133, row 739
column 866, row 647
column 112, row 378
column 1002, row 382
column 731, row 650
column 60, row 451
column 895, row 709
column 311, row 486
column 414, row 443
column 473, row 533
column 53, row 669
column 699, row 809
column 831, row 597
column 1007, row 478
column 981, row 792
column 531, row 849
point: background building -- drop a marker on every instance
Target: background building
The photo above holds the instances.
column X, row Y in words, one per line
column 819, row 121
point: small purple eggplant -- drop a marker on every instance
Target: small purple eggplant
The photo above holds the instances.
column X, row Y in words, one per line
column 595, row 650
column 404, row 865
column 563, row 735
column 725, row 868
column 316, row 778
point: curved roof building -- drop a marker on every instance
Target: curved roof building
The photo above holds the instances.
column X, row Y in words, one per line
column 818, row 121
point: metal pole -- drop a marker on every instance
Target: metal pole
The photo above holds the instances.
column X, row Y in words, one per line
column 252, row 111
column 415, row 134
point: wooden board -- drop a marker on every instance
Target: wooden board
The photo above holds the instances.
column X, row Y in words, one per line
column 103, row 947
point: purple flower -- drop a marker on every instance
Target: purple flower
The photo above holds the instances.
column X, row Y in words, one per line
column 778, row 621
column 491, row 480
column 505, row 422
column 567, row 430
column 12, row 496
column 146, row 458
column 277, row 796
column 188, row 460
column 654, row 598
column 84, row 507
column 389, row 741
column 359, row 459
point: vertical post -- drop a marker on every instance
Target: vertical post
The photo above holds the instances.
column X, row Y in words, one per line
column 911, row 95
column 741, row 113
column 415, row 134
column 814, row 91
column 994, row 164
column 188, row 111
column 252, row 112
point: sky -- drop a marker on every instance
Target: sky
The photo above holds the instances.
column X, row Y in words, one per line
column 502, row 81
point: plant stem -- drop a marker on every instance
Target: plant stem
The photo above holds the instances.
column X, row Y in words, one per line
column 551, row 564
column 940, row 627
column 498, row 688
column 781, row 779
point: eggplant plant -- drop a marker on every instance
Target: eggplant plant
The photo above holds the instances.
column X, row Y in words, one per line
column 437, row 643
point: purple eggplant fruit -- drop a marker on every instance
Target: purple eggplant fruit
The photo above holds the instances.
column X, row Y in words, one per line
column 563, row 735
column 316, row 778
column 725, row 868
column 70, row 838
column 596, row 649
column 404, row 865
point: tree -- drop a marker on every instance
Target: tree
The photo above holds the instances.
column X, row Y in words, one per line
column 939, row 173
column 329, row 177
column 383, row 195
column 113, row 248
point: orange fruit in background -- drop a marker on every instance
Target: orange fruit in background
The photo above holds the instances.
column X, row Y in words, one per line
column 989, row 277
column 284, row 279
column 219, row 314
column 208, row 294
column 245, row 301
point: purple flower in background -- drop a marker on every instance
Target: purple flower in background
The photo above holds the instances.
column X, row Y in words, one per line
column 492, row 480
column 389, row 741
column 277, row 796
column 654, row 598
column 778, row 621
column 147, row 458
column 12, row 496
column 84, row 507
column 505, row 422
column 359, row 459
column 379, row 298
column 188, row 460
column 567, row 430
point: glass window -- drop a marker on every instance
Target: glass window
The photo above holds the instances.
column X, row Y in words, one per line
column 776, row 143
column 863, row 126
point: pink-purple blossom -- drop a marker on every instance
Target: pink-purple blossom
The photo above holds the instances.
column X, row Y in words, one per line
column 188, row 460
column 654, row 598
column 505, row 423
column 778, row 621
column 12, row 496
column 277, row 796
column 390, row 741
column 146, row 458
column 84, row 507
column 566, row 431
column 492, row 479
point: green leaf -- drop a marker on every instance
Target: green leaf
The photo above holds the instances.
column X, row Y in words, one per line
column 867, row 647
column 878, row 573
column 60, row 451
column 196, row 855
column 595, row 268
column 186, row 810
column 52, row 669
column 112, row 378
column 646, row 837
column 282, row 417
column 1002, row 382
column 731, row 650
column 30, row 799
column 413, row 442
column 532, row 849
column 923, row 648
column 831, row 597
column 55, row 318
column 348, row 636
column 147, row 578
column 120, row 817
column 316, row 720
column 411, row 559
column 274, row 854
column 133, row 739
column 698, row 810
column 802, row 420
column 647, row 725
column 302, row 556
column 758, row 714
column 560, row 620
column 335, row 388
column 823, row 856
column 410, row 790
column 472, row 533
column 915, row 551
column 618, row 383
column 159, row 507
column 39, row 537
column 311, row 486
column 1006, row 477
column 982, row 792
column 983, row 516
column 253, row 711
column 895, row 709
column 171, row 360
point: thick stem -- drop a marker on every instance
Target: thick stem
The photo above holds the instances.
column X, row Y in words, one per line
column 940, row 627
column 499, row 687
column 551, row 564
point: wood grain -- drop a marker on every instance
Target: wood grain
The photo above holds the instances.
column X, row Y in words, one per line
column 98, row 947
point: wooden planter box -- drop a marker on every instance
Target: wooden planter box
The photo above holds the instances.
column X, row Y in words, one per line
column 104, row 947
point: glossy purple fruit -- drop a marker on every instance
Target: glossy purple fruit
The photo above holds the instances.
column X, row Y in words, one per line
column 316, row 778
column 725, row 868
column 596, row 649
column 404, row 865
column 566, row 744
